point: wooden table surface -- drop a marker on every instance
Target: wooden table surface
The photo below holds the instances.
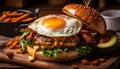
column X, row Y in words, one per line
column 4, row 39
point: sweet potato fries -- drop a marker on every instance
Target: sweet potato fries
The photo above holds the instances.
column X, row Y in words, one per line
column 15, row 16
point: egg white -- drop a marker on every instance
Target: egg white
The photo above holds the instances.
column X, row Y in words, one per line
column 72, row 27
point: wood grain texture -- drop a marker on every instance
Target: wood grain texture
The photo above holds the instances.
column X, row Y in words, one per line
column 21, row 59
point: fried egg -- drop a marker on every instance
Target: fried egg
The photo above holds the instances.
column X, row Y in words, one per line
column 56, row 25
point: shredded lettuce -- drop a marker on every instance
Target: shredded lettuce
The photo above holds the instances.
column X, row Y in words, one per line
column 23, row 45
column 24, row 33
column 24, row 42
column 30, row 42
column 83, row 51
column 53, row 52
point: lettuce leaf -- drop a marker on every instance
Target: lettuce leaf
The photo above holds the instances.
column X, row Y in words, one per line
column 83, row 51
column 24, row 44
column 24, row 33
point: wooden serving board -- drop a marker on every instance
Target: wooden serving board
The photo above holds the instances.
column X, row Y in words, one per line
column 21, row 59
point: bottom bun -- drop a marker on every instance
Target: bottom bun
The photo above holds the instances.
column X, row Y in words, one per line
column 61, row 57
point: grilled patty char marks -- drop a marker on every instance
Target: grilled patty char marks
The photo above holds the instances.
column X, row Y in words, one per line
column 51, row 42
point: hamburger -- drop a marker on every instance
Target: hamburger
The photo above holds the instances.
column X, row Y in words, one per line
column 60, row 37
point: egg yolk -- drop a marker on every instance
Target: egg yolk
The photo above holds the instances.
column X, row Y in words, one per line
column 54, row 23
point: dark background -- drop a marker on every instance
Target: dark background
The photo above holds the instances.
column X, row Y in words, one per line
column 94, row 3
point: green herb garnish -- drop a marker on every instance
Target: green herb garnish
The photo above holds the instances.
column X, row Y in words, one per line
column 83, row 51
column 53, row 52
column 23, row 45
column 24, row 33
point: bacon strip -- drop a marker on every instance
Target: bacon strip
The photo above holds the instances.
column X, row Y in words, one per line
column 87, row 36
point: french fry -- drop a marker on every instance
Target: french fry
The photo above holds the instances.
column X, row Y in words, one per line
column 15, row 14
column 3, row 17
column 27, row 19
column 31, row 51
column 23, row 17
column 31, row 58
column 9, row 42
column 19, row 51
column 13, row 45
column 14, row 20
column 20, row 18
column 17, row 38
column 7, row 19
column 6, row 12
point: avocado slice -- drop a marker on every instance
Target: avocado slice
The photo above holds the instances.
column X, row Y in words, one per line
column 112, row 41
column 107, row 47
